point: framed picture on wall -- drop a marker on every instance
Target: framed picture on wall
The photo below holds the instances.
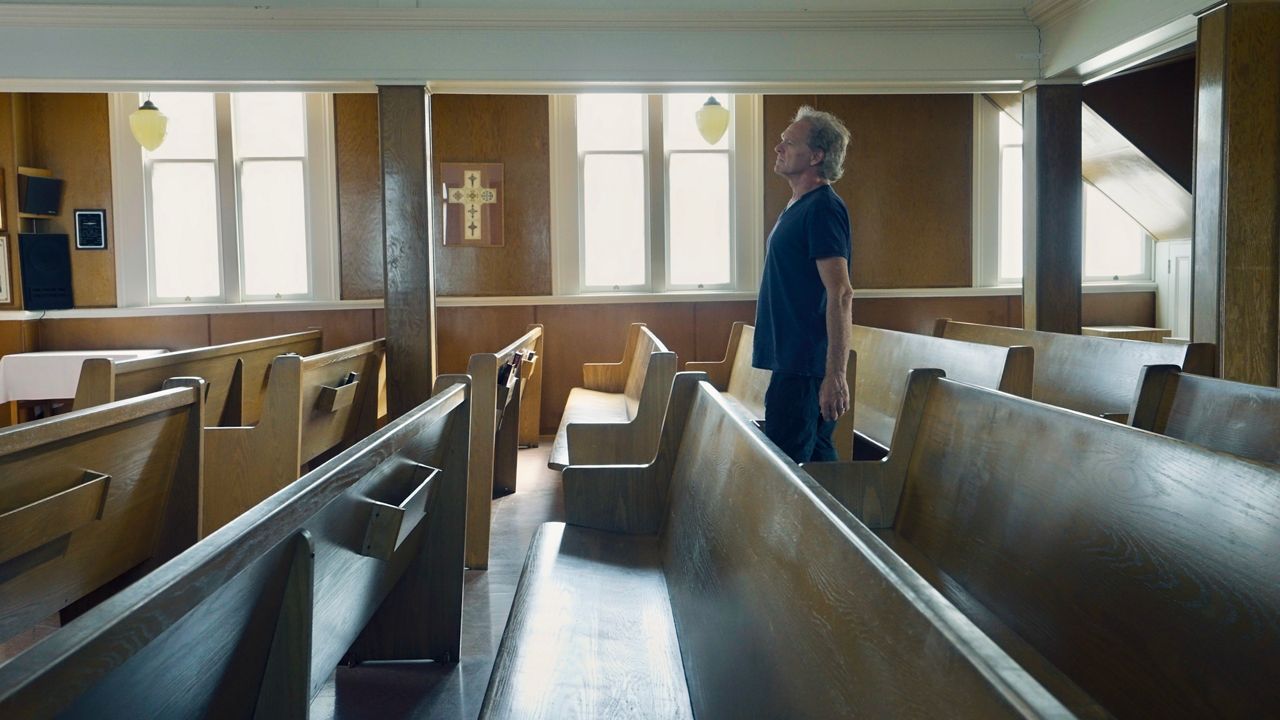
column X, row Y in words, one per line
column 4, row 269
column 91, row 229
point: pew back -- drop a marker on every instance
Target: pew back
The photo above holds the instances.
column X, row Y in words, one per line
column 1092, row 375
column 1141, row 567
column 311, row 406
column 1221, row 415
column 886, row 358
column 87, row 496
column 361, row 558
column 784, row 605
column 234, row 374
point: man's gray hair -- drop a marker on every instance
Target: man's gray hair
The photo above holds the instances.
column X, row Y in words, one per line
column 828, row 134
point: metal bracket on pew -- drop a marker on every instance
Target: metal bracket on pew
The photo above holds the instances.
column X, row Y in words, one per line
column 334, row 398
column 45, row 520
column 389, row 525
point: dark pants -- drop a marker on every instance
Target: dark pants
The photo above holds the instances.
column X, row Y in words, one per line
column 793, row 420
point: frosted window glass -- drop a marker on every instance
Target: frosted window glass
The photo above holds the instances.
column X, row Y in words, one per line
column 1011, row 212
column 184, row 201
column 192, row 131
column 269, row 124
column 613, row 202
column 681, row 125
column 1114, row 243
column 610, row 122
column 699, row 218
column 274, row 223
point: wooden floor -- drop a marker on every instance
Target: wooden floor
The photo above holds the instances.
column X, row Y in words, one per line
column 420, row 690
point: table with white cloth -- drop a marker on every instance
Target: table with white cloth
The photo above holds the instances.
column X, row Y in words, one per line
column 49, row 376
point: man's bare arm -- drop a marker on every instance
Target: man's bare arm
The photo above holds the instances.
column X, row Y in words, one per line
column 833, row 396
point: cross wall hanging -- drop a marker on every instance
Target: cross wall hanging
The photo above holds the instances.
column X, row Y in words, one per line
column 473, row 201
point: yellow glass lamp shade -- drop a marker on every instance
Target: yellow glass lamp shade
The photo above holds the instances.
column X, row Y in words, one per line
column 713, row 120
column 148, row 125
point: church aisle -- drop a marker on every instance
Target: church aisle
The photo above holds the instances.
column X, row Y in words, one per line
column 422, row 690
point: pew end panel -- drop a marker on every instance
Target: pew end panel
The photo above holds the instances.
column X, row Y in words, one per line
column 531, row 393
column 631, row 498
column 497, row 420
column 1225, row 416
column 612, row 377
column 719, row 371
column 91, row 499
column 287, row 589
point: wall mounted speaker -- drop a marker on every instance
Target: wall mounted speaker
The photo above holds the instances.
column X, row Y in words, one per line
column 46, row 271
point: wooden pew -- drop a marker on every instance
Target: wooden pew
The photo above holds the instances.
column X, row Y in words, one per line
column 879, row 378
column 93, row 496
column 361, row 559
column 1092, row 375
column 234, row 375
column 496, row 426
column 761, row 597
column 1133, row 575
column 311, row 406
column 743, row 386
column 1221, row 415
column 617, row 415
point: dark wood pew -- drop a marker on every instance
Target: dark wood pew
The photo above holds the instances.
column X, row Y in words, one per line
column 1133, row 575
column 234, row 375
column 95, row 497
column 878, row 379
column 495, row 435
column 361, row 559
column 616, row 416
column 761, row 597
column 311, row 406
column 1221, row 415
column 1092, row 375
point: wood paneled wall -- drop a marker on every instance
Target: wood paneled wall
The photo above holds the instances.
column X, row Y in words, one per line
column 512, row 130
column 355, row 129
column 70, row 136
column 908, row 184
column 9, row 198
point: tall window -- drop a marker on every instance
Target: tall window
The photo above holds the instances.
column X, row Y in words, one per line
column 1115, row 246
column 228, row 196
column 655, row 206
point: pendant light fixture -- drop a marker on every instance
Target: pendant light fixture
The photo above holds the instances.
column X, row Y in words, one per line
column 713, row 120
column 148, row 125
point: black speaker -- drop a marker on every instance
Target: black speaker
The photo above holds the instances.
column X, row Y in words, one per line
column 46, row 271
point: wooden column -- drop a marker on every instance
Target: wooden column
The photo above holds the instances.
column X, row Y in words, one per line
column 1052, row 225
column 406, row 242
column 1236, row 266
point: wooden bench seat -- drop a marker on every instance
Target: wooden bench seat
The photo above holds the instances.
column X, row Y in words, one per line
column 360, row 559
column 720, row 581
column 616, row 416
column 1092, row 375
column 1221, row 415
column 878, row 380
column 234, row 374
column 95, row 497
column 1133, row 575
column 495, row 436
column 311, row 406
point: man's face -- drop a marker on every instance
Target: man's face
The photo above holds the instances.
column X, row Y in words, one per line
column 792, row 154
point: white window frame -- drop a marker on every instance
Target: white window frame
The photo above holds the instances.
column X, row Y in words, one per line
column 1148, row 248
column 986, row 208
column 134, row 267
column 746, row 201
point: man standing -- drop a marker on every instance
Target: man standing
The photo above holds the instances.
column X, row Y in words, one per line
column 806, row 300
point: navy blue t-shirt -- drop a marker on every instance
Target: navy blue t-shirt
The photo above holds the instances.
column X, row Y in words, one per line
column 791, row 320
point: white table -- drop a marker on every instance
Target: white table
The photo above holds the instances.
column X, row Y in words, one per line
column 52, row 375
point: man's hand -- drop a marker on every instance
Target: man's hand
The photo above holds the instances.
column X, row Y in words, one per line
column 833, row 396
